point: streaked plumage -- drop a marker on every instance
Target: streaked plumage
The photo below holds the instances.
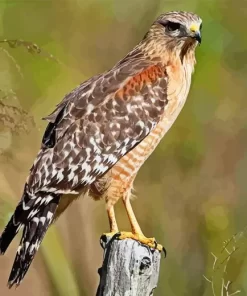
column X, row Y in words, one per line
column 102, row 132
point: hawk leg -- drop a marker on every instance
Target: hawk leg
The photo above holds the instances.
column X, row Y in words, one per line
column 136, row 233
column 112, row 220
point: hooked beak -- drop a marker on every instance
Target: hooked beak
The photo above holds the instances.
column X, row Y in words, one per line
column 198, row 37
column 195, row 33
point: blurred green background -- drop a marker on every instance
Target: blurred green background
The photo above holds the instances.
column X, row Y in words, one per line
column 192, row 191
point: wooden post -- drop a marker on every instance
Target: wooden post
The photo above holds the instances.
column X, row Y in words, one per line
column 129, row 268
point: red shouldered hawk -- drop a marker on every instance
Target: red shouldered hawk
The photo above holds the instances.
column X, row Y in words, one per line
column 101, row 133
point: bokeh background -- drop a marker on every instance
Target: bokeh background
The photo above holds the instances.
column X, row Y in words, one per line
column 192, row 190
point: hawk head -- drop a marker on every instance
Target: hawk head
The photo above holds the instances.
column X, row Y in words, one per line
column 176, row 30
column 180, row 26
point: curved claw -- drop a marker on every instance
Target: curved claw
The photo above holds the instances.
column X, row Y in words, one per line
column 112, row 235
column 165, row 252
column 155, row 244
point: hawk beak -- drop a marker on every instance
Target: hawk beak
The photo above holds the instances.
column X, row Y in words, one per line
column 198, row 37
column 195, row 33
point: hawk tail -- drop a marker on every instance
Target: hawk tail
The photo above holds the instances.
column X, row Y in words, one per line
column 36, row 219
column 11, row 229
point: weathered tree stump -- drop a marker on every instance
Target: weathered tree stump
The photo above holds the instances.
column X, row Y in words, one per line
column 129, row 268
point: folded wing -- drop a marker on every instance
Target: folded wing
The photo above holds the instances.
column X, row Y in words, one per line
column 98, row 123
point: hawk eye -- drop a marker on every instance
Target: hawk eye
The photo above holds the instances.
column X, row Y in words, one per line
column 200, row 27
column 172, row 26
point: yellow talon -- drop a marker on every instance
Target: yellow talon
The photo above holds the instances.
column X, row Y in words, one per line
column 151, row 242
column 138, row 237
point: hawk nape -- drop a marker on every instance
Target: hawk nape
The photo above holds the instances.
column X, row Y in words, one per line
column 101, row 133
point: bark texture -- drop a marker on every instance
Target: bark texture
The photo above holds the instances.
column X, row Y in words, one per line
column 129, row 268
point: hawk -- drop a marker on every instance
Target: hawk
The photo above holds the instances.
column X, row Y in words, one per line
column 101, row 133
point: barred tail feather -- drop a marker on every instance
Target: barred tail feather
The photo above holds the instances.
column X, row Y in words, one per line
column 26, row 208
column 11, row 229
column 35, row 212
column 33, row 233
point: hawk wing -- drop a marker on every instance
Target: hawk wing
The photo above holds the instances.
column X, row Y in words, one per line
column 98, row 123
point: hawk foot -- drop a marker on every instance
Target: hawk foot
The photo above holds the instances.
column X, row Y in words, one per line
column 150, row 242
